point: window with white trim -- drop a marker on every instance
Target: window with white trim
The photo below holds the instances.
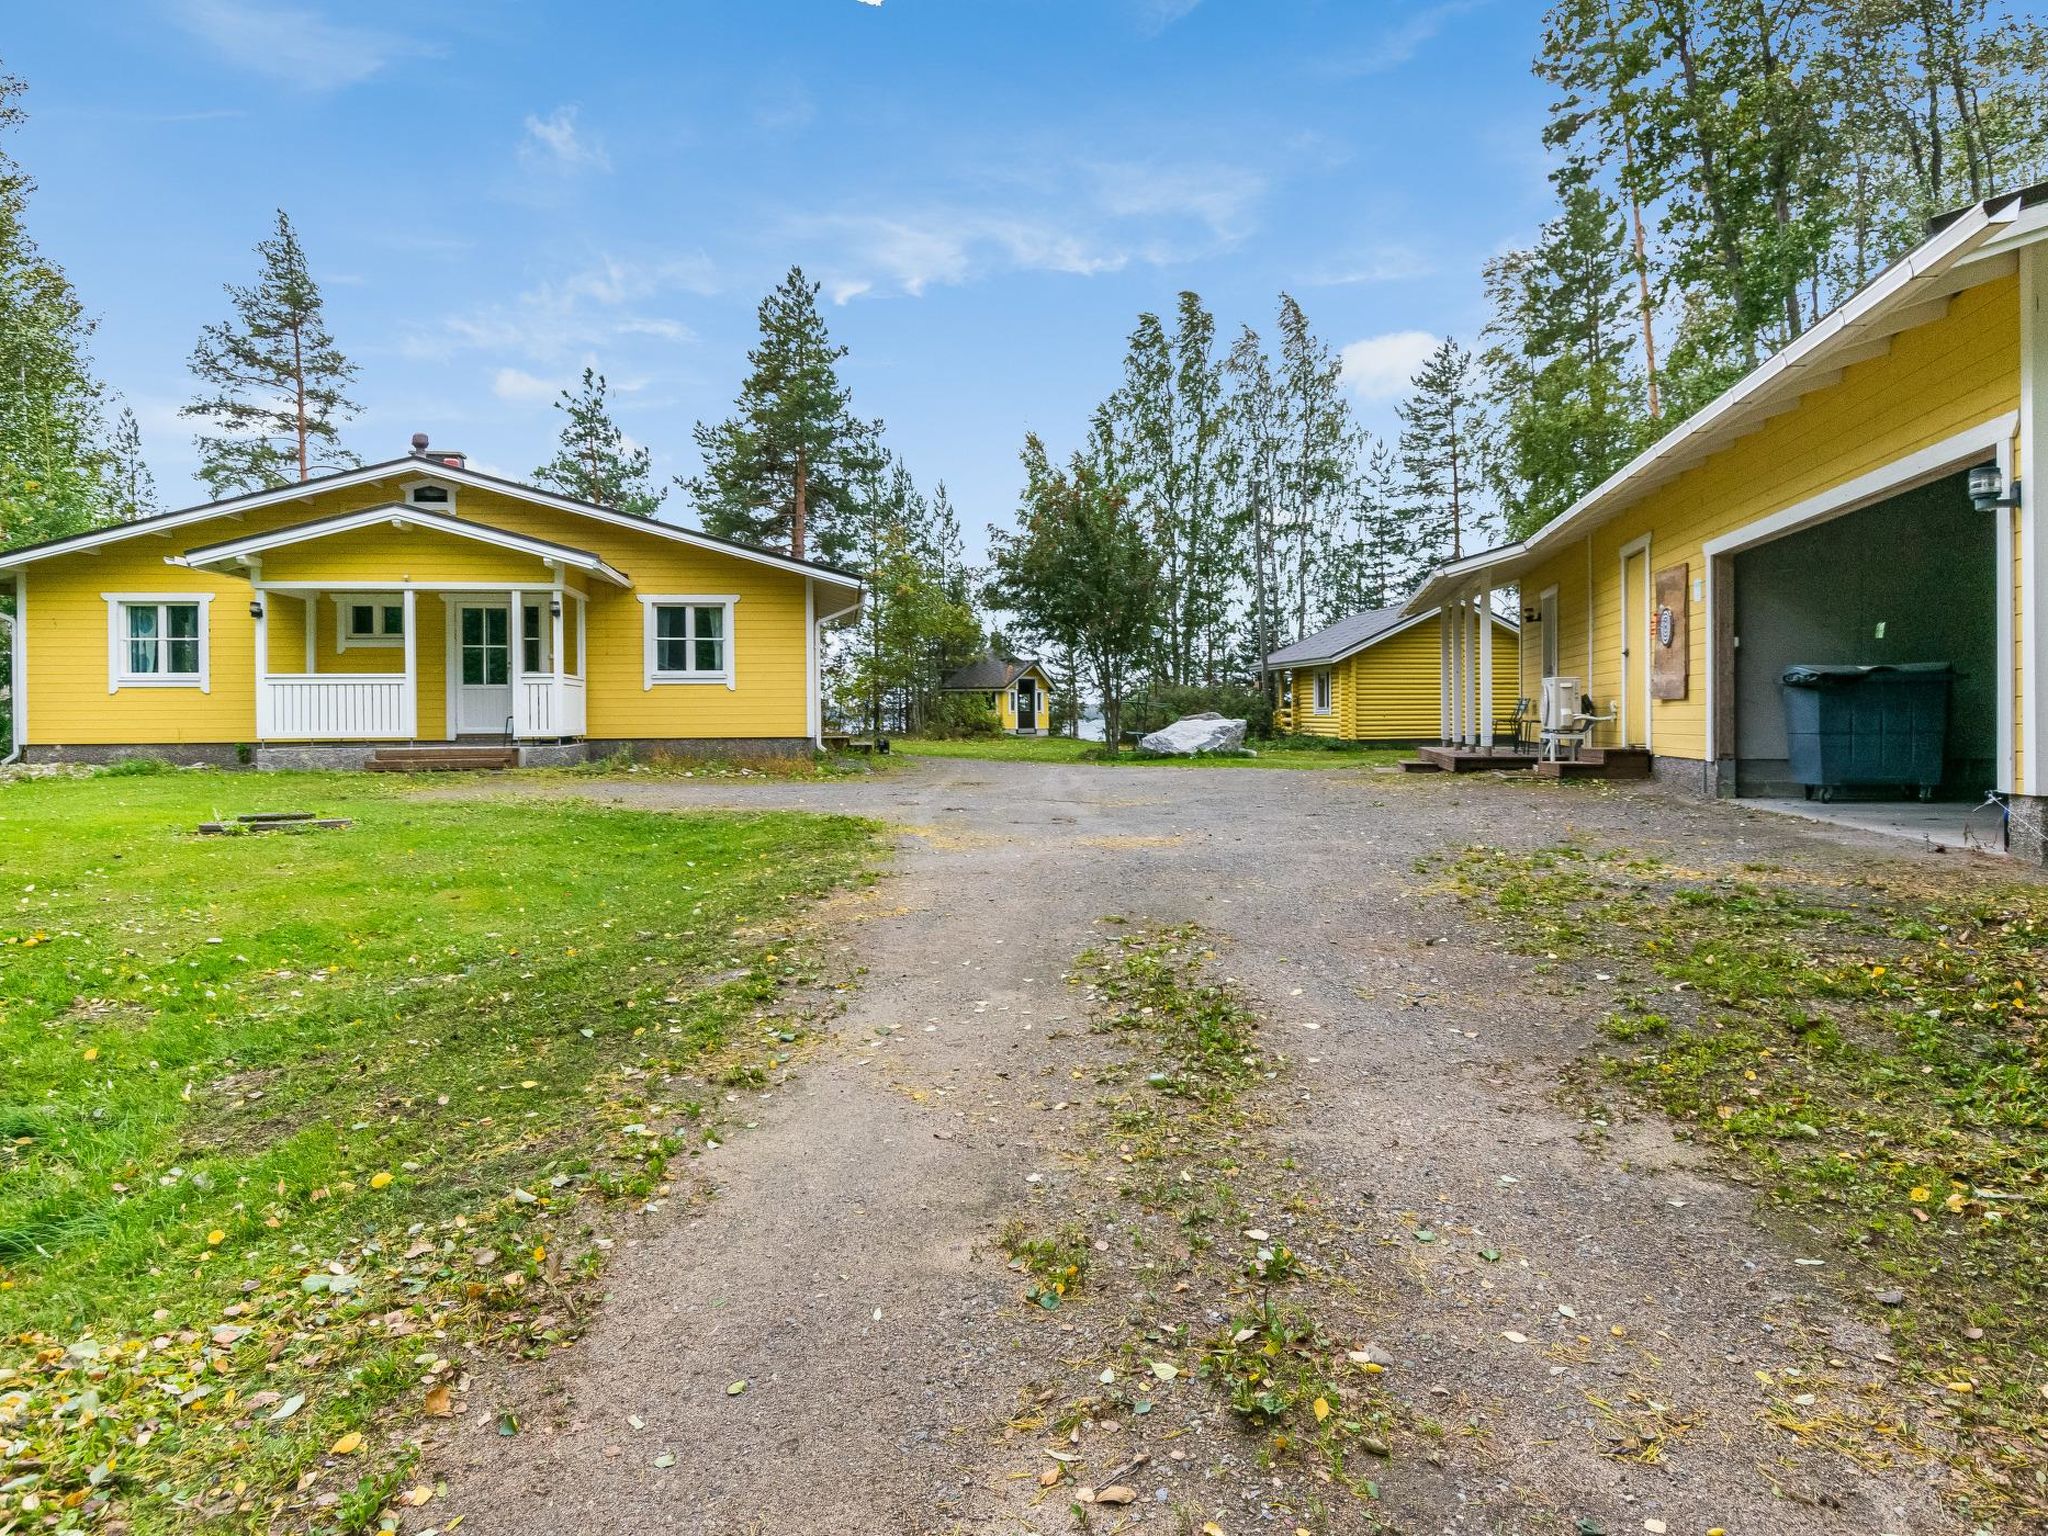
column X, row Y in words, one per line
column 1323, row 691
column 536, row 634
column 689, row 639
column 157, row 640
column 370, row 620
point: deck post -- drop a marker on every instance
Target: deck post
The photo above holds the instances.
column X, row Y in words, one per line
column 515, row 659
column 1486, row 667
column 1459, row 697
column 1443, row 625
column 409, row 709
column 312, row 633
column 262, row 627
column 557, row 705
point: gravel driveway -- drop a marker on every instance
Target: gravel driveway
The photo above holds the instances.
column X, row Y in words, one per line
column 845, row 1266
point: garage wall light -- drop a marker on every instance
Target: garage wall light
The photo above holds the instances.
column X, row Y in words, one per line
column 1987, row 484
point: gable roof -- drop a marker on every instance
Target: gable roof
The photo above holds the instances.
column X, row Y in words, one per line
column 425, row 467
column 990, row 671
column 1350, row 635
column 234, row 551
column 1975, row 245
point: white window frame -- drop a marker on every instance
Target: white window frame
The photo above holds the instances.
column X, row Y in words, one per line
column 344, row 601
column 1325, row 692
column 118, row 675
column 651, row 675
column 411, row 488
column 543, row 631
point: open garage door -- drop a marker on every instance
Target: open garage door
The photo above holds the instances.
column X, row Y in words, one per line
column 1912, row 579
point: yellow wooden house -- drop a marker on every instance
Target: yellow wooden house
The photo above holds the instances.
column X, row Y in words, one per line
column 1867, row 497
column 1016, row 687
column 412, row 603
column 1378, row 676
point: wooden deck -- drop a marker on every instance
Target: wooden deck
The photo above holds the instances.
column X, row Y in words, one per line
column 1591, row 763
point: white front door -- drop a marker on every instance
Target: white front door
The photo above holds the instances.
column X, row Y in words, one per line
column 483, row 668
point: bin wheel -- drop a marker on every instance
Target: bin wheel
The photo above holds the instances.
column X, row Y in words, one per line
column 1827, row 794
column 1926, row 792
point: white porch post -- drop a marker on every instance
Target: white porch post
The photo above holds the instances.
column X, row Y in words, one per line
column 1486, row 666
column 2033, row 521
column 312, row 633
column 515, row 660
column 1471, row 672
column 261, row 597
column 1462, row 698
column 409, row 713
column 1442, row 646
column 557, row 704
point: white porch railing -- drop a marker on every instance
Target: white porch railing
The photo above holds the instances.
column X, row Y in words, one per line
column 537, row 712
column 333, row 707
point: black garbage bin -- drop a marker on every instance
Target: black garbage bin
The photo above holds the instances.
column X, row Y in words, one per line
column 1877, row 727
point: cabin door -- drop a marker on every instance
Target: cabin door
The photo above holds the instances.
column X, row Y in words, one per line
column 1027, row 704
column 483, row 670
column 1635, row 645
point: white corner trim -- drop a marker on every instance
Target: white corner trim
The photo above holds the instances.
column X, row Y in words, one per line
column 651, row 676
column 118, row 676
column 19, row 681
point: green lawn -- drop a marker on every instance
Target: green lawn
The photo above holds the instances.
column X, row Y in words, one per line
column 288, row 1121
column 1064, row 749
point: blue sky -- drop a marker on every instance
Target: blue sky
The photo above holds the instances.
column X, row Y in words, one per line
column 495, row 194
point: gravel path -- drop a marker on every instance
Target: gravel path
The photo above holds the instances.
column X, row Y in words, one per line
column 844, row 1266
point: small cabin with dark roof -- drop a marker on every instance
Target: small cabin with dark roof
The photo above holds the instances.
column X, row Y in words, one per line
column 1015, row 686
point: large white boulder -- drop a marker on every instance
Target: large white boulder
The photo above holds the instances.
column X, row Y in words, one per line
column 1206, row 732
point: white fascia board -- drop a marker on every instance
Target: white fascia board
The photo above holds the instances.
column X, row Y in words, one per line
column 402, row 517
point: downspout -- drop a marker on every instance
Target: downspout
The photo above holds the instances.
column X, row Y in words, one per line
column 16, row 675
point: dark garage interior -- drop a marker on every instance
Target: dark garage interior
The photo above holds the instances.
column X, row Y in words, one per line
column 1910, row 579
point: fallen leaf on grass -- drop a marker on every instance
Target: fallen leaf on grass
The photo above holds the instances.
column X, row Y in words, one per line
column 288, row 1407
column 736, row 1388
column 347, row 1445
column 1513, row 1337
column 440, row 1403
column 1164, row 1371
column 379, row 1180
column 1117, row 1494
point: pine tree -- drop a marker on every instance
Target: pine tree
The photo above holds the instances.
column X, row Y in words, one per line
column 785, row 468
column 594, row 462
column 131, row 488
column 1439, row 422
column 272, row 379
column 1256, row 452
column 50, row 404
column 1319, row 454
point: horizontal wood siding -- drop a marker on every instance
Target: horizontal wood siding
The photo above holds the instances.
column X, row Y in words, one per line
column 67, row 624
column 1938, row 380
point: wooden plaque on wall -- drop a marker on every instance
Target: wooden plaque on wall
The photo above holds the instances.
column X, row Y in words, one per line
column 1670, row 635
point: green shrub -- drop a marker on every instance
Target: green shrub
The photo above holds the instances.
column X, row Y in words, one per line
column 957, row 716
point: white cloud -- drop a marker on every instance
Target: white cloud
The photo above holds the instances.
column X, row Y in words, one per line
column 555, row 143
column 1401, row 42
column 1158, row 15
column 294, row 43
column 1218, row 196
column 523, row 388
column 948, row 247
column 1379, row 264
column 1379, row 367
column 572, row 316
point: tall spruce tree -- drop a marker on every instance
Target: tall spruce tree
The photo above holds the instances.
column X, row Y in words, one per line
column 131, row 488
column 785, row 469
column 1564, row 400
column 51, row 462
column 272, row 379
column 1258, row 435
column 594, row 462
column 1320, row 448
column 1439, row 451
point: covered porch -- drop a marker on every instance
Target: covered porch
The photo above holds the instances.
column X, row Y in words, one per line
column 366, row 631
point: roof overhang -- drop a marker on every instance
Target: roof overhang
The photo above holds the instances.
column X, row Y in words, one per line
column 1978, row 246
column 413, row 466
column 1281, row 661
column 234, row 556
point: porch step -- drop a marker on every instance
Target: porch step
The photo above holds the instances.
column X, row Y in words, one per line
column 1419, row 765
column 442, row 759
column 1599, row 763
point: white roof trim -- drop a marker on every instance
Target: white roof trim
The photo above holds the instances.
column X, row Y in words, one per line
column 1365, row 645
column 417, row 468
column 233, row 551
column 1913, row 291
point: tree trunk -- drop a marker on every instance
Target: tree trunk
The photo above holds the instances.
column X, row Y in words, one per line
column 798, row 534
